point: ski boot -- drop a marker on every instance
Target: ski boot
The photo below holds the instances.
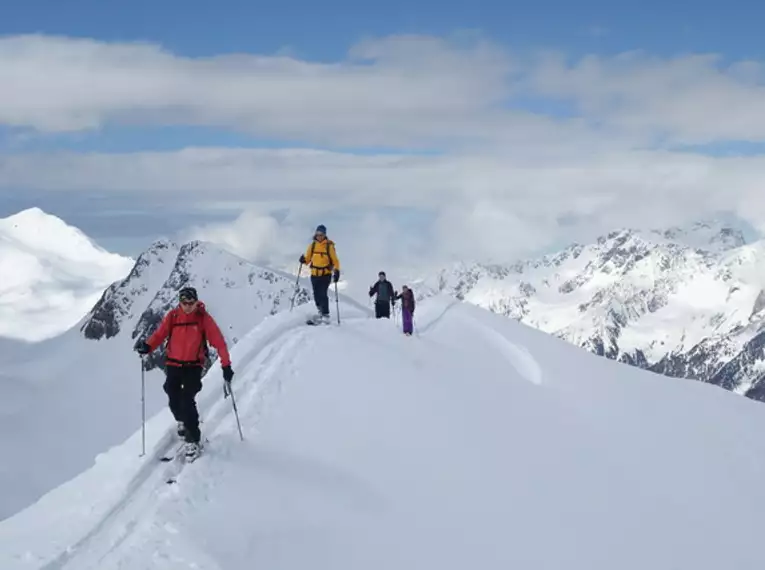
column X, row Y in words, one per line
column 192, row 451
column 317, row 319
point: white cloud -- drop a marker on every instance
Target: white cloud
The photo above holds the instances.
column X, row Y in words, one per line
column 518, row 172
column 398, row 90
column 366, row 240
column 476, row 200
column 252, row 235
column 691, row 99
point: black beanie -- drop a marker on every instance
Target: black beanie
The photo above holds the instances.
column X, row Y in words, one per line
column 188, row 293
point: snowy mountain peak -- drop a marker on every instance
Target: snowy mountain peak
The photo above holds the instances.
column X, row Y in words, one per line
column 33, row 216
column 682, row 301
column 119, row 302
column 709, row 235
column 52, row 273
column 235, row 291
column 37, row 231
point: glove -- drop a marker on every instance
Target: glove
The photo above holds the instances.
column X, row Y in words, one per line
column 336, row 276
column 302, row 259
column 142, row 348
column 228, row 374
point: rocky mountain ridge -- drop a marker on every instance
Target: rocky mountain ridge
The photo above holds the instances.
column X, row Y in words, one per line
column 236, row 292
column 683, row 302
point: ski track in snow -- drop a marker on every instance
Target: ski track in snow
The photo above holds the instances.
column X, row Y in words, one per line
column 147, row 487
column 142, row 531
column 131, row 524
column 317, row 498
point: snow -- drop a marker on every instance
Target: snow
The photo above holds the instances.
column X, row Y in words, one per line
column 52, row 275
column 478, row 443
column 66, row 399
column 708, row 235
column 631, row 292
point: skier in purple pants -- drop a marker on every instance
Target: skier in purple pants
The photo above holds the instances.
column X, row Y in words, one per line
column 407, row 309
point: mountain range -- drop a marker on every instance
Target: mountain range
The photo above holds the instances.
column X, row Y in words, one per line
column 682, row 302
column 399, row 440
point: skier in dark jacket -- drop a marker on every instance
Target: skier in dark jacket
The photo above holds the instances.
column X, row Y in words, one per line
column 407, row 309
column 187, row 328
column 385, row 296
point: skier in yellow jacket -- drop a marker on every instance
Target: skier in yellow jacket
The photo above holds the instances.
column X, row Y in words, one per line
column 321, row 256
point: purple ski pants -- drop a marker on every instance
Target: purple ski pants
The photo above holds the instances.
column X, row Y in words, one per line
column 406, row 316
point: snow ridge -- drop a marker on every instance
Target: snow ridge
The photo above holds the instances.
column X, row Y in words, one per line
column 405, row 441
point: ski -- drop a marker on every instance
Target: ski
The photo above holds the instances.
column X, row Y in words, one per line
column 180, row 460
column 172, row 477
column 169, row 458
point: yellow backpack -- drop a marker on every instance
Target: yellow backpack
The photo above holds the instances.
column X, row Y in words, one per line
column 330, row 244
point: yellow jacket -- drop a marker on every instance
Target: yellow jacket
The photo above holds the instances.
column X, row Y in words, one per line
column 321, row 257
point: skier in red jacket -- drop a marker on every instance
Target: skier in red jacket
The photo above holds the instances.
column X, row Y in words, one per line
column 188, row 328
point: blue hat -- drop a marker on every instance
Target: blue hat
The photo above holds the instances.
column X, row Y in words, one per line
column 321, row 228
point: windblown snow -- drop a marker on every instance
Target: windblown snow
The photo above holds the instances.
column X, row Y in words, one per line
column 52, row 274
column 477, row 443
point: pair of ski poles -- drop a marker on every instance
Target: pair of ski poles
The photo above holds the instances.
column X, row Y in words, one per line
column 227, row 391
column 297, row 288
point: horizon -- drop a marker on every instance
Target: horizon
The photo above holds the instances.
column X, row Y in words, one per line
column 748, row 233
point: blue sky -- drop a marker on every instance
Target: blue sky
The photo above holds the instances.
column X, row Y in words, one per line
column 323, row 30
column 581, row 150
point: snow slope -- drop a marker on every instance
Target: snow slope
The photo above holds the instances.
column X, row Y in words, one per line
column 682, row 302
column 480, row 443
column 66, row 399
column 51, row 275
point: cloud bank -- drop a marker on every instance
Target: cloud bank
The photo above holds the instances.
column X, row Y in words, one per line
column 489, row 154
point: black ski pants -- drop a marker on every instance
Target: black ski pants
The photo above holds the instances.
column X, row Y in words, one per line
column 321, row 285
column 182, row 384
column 382, row 309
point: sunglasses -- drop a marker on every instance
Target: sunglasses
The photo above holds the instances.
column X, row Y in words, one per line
column 187, row 302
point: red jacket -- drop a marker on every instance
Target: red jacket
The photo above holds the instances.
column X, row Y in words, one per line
column 187, row 333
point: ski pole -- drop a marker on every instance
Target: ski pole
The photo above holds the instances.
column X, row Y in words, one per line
column 143, row 409
column 337, row 303
column 297, row 286
column 227, row 391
